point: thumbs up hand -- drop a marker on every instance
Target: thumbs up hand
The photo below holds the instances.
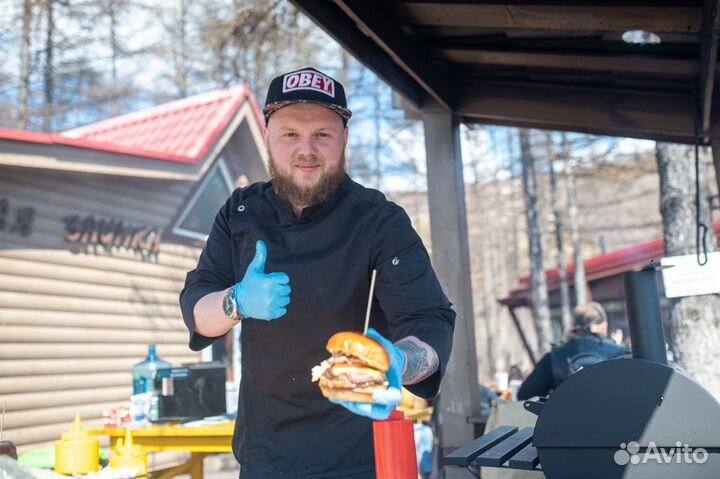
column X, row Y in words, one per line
column 259, row 295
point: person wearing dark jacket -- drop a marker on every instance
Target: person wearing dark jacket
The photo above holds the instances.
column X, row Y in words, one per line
column 586, row 344
column 292, row 260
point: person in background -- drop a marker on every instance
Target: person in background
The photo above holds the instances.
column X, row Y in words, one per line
column 515, row 373
column 586, row 344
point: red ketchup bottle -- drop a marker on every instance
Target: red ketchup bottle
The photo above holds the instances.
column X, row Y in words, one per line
column 395, row 456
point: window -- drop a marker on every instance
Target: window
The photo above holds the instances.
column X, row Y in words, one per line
column 197, row 219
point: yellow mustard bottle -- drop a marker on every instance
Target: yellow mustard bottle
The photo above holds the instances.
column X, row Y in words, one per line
column 77, row 452
column 129, row 456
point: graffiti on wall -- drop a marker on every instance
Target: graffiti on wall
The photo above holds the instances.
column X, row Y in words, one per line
column 18, row 221
column 109, row 233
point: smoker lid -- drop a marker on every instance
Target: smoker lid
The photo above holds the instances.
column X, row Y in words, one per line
column 622, row 400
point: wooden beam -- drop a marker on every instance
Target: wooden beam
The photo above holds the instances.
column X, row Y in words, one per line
column 708, row 62
column 336, row 23
column 617, row 18
column 521, row 333
column 659, row 116
column 575, row 61
column 373, row 19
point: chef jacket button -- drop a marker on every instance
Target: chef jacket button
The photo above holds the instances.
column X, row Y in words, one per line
column 395, row 261
column 241, row 208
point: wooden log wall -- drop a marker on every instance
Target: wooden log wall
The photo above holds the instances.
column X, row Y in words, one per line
column 75, row 318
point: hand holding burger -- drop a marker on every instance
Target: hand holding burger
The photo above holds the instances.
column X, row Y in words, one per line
column 364, row 375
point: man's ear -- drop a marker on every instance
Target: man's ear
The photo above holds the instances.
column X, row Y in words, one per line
column 345, row 136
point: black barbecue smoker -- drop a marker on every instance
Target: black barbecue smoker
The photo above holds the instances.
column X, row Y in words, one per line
column 629, row 418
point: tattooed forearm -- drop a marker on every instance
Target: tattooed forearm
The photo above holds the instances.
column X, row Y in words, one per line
column 422, row 360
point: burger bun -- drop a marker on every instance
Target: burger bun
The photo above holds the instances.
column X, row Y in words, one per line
column 369, row 351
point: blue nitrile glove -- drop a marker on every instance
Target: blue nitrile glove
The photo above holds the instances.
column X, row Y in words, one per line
column 260, row 295
column 384, row 401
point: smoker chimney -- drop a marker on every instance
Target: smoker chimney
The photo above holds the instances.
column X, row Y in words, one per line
column 643, row 309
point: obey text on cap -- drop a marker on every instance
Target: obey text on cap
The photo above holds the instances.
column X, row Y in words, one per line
column 309, row 80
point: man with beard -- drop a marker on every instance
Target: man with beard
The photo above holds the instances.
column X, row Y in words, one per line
column 291, row 259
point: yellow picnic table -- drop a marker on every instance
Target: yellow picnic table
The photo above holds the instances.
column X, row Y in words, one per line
column 199, row 441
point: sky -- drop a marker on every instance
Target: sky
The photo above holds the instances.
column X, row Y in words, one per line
column 398, row 147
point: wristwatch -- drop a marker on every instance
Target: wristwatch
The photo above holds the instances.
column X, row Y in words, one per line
column 230, row 306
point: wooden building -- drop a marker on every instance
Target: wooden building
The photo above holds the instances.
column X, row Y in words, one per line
column 98, row 227
column 604, row 275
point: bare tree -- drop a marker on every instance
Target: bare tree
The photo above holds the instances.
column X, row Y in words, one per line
column 249, row 40
column 483, row 192
column 514, row 201
column 540, row 308
column 695, row 320
column 180, row 50
column 566, row 316
column 48, row 70
column 24, row 90
column 112, row 13
column 573, row 224
column 377, row 131
column 489, row 308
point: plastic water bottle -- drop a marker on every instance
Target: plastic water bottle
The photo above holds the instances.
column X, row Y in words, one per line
column 143, row 373
column 141, row 402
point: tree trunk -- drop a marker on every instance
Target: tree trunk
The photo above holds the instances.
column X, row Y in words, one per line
column 49, row 71
column 498, row 266
column 180, row 53
column 377, row 133
column 503, row 353
column 489, row 314
column 24, row 93
column 515, row 217
column 695, row 320
column 490, row 288
column 541, row 311
column 112, row 15
column 566, row 316
column 579, row 278
column 344, row 78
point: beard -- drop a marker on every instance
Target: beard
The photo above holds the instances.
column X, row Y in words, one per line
column 298, row 195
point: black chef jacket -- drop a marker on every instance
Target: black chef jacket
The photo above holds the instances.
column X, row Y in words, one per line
column 285, row 428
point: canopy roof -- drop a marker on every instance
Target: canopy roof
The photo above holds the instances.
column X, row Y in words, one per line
column 559, row 65
column 180, row 131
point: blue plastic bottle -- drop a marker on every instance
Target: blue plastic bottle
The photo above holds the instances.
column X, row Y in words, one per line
column 143, row 373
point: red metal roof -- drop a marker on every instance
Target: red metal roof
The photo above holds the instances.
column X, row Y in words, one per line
column 182, row 130
column 602, row 266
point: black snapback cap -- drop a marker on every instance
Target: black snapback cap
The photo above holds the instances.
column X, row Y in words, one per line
column 306, row 85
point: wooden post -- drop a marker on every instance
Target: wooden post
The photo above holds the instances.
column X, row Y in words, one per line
column 460, row 398
column 521, row 333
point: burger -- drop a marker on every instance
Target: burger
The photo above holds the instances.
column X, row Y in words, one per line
column 355, row 371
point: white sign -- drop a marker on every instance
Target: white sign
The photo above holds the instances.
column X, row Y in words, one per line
column 688, row 278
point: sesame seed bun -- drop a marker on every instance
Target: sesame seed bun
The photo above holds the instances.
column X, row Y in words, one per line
column 367, row 350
